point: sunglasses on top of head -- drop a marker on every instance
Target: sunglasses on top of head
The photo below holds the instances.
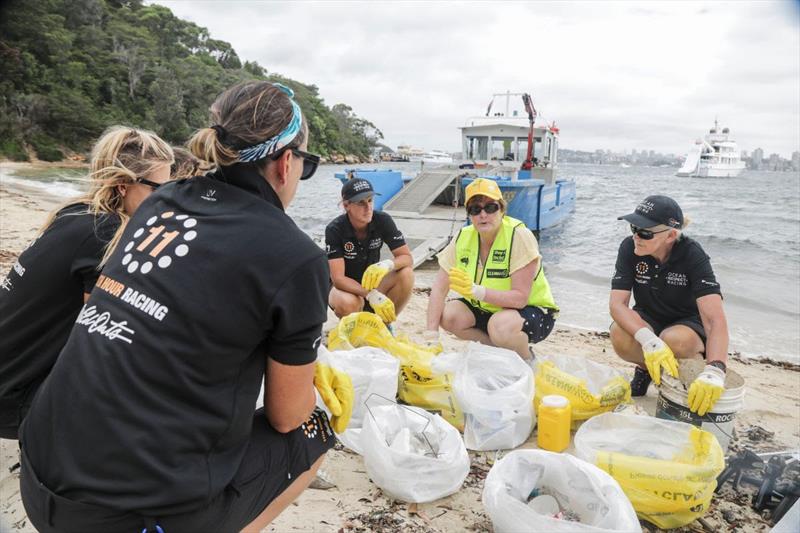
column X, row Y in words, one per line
column 310, row 161
column 645, row 234
column 475, row 209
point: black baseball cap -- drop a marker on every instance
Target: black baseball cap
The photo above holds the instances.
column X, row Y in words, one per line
column 357, row 189
column 656, row 210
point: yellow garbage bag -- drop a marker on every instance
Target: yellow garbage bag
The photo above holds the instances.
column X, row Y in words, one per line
column 417, row 384
column 667, row 469
column 590, row 387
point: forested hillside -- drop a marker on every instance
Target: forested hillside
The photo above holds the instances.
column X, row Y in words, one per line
column 70, row 68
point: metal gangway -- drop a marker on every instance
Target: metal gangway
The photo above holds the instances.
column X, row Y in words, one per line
column 428, row 227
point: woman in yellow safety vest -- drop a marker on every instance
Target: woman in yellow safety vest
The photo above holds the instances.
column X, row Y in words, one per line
column 495, row 265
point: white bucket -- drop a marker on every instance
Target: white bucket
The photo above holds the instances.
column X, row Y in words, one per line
column 673, row 401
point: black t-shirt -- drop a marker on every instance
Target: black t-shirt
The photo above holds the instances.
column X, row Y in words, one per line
column 341, row 241
column 670, row 291
column 39, row 300
column 149, row 407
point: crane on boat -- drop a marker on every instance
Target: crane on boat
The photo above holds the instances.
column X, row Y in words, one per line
column 528, row 101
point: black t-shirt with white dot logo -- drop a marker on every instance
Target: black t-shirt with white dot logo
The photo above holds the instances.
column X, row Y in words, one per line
column 39, row 299
column 667, row 292
column 150, row 406
column 341, row 242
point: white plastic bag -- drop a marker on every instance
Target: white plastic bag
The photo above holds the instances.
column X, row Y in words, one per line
column 371, row 370
column 587, row 492
column 412, row 455
column 494, row 388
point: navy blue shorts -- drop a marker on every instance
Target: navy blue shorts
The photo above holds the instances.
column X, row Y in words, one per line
column 271, row 463
column 692, row 322
column 537, row 325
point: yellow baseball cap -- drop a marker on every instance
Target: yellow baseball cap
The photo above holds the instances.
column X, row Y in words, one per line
column 483, row 187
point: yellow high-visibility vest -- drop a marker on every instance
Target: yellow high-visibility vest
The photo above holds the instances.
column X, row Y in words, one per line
column 496, row 273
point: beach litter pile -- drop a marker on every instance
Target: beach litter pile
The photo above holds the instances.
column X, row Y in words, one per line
column 412, row 455
column 549, row 491
column 663, row 471
column 667, row 469
column 494, row 389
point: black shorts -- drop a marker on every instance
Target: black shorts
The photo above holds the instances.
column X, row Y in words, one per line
column 537, row 325
column 692, row 322
column 271, row 463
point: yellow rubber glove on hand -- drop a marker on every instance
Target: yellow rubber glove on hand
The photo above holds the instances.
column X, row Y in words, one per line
column 336, row 389
column 382, row 306
column 656, row 355
column 374, row 274
column 461, row 283
column 706, row 390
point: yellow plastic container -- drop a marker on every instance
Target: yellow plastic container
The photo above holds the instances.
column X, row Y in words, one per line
column 555, row 416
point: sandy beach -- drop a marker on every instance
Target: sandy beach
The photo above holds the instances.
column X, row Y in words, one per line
column 354, row 503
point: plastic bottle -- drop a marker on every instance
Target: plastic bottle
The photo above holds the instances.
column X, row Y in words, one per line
column 555, row 416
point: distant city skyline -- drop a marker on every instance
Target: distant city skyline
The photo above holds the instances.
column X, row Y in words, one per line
column 612, row 74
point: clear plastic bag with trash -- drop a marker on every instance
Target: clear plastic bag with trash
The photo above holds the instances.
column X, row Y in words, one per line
column 412, row 455
column 667, row 469
column 537, row 490
column 592, row 388
column 371, row 370
column 494, row 388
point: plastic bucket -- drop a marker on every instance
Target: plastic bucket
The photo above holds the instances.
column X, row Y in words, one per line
column 673, row 401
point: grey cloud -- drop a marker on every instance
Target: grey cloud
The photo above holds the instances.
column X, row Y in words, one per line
column 605, row 72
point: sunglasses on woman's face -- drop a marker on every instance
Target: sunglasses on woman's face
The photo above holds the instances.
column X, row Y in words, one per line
column 645, row 234
column 310, row 161
column 152, row 184
column 475, row 210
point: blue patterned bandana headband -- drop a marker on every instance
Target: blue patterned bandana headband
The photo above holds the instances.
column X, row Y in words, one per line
column 273, row 144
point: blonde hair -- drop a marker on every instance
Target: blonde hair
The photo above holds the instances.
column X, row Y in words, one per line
column 186, row 165
column 121, row 156
column 244, row 115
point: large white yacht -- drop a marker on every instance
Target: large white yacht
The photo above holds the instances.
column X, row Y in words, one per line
column 715, row 156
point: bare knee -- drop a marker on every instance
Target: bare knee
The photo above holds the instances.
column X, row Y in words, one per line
column 455, row 319
column 345, row 303
column 683, row 341
column 624, row 344
column 405, row 277
column 503, row 327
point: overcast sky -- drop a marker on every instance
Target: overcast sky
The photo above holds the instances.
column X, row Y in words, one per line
column 628, row 75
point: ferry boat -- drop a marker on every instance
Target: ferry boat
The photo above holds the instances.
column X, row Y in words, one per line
column 715, row 156
column 506, row 146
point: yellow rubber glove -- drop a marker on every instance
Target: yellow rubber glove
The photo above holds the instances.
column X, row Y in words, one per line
column 656, row 355
column 461, row 283
column 374, row 274
column 382, row 306
column 336, row 389
column 706, row 390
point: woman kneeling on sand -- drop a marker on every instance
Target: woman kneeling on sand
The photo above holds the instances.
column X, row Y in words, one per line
column 213, row 291
column 495, row 265
column 43, row 293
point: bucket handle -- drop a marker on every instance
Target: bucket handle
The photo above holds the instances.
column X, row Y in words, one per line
column 427, row 419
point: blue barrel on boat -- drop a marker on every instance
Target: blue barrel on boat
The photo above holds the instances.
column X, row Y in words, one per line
column 385, row 182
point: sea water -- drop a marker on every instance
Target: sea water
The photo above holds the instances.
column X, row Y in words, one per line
column 749, row 225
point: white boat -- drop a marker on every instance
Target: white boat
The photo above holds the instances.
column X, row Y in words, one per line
column 434, row 156
column 715, row 156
